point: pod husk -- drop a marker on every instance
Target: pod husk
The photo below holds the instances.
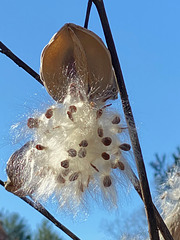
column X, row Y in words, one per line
column 75, row 54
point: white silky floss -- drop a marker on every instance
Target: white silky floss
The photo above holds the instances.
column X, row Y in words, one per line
column 76, row 148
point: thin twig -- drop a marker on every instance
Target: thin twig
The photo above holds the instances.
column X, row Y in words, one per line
column 19, row 62
column 1, row 183
column 88, row 13
column 36, row 205
column 146, row 195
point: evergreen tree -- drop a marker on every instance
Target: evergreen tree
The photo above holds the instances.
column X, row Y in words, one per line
column 16, row 228
column 162, row 167
column 45, row 232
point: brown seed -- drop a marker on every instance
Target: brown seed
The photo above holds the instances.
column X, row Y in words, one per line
column 92, row 165
column 73, row 176
column 99, row 113
column 70, row 116
column 60, row 179
column 121, row 166
column 33, row 123
column 82, row 153
column 105, row 156
column 73, row 109
column 125, row 147
column 100, row 132
column 40, row 147
column 116, row 120
column 49, row 113
column 72, row 152
column 106, row 141
column 107, row 181
column 83, row 143
column 65, row 164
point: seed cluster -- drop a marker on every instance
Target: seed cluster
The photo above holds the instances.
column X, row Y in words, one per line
column 75, row 147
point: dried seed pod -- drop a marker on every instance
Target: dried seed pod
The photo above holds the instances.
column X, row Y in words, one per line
column 106, row 141
column 18, row 171
column 72, row 152
column 116, row 120
column 49, row 113
column 33, row 123
column 107, row 181
column 100, row 132
column 105, row 156
column 73, row 176
column 83, row 143
column 65, row 164
column 125, row 147
column 82, row 54
column 82, row 153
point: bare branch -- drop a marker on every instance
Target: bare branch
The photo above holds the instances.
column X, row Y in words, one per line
column 36, row 205
column 19, row 62
column 88, row 13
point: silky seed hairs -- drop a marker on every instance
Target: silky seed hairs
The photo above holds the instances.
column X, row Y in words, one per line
column 76, row 150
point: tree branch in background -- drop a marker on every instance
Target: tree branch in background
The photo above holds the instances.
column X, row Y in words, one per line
column 19, row 62
column 36, row 205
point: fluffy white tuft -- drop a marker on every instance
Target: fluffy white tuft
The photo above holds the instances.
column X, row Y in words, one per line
column 170, row 202
column 76, row 152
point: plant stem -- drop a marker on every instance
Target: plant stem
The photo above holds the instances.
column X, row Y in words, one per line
column 36, row 205
column 19, row 62
column 88, row 13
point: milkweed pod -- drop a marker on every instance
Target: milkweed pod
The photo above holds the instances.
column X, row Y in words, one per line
column 18, row 171
column 75, row 54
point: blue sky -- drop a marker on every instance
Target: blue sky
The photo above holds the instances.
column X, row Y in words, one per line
column 147, row 38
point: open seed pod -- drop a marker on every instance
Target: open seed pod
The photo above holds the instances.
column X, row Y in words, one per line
column 75, row 54
column 16, row 169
